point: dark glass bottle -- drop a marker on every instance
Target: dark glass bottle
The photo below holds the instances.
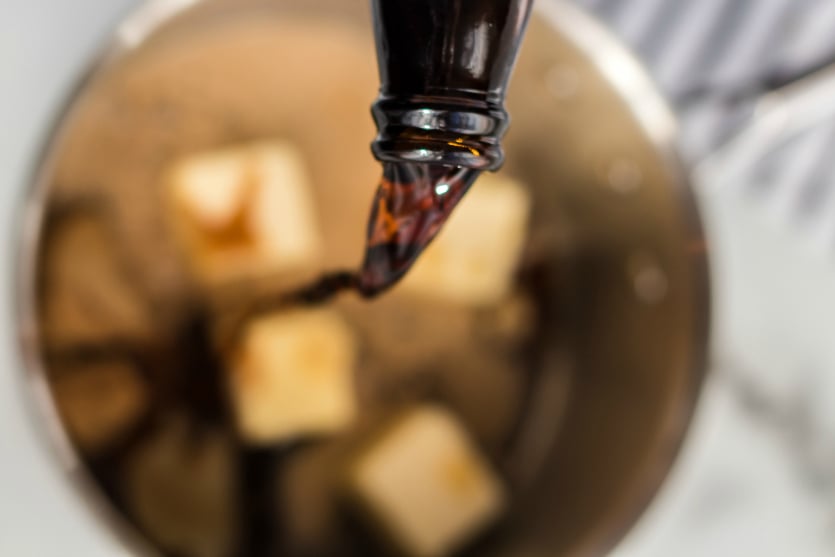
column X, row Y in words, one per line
column 444, row 70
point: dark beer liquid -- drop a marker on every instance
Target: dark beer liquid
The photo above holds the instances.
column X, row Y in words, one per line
column 411, row 205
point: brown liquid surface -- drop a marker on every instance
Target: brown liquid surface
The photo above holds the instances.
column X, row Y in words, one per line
column 134, row 351
column 128, row 340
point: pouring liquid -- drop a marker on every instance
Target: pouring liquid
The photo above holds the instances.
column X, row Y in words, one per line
column 411, row 205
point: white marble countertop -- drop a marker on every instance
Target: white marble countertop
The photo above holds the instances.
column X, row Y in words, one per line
column 757, row 476
column 43, row 46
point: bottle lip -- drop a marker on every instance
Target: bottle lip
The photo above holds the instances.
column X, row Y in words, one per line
column 437, row 152
column 440, row 130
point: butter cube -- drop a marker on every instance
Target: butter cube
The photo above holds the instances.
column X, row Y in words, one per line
column 474, row 257
column 293, row 376
column 426, row 485
column 245, row 211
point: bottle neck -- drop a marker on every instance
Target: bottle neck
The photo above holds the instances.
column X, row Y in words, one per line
column 444, row 69
column 439, row 129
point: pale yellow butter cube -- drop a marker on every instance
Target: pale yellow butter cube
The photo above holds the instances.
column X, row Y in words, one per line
column 474, row 257
column 245, row 211
column 212, row 189
column 426, row 485
column 293, row 376
column 282, row 216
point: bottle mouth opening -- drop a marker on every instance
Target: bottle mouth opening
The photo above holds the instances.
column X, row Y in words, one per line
column 440, row 132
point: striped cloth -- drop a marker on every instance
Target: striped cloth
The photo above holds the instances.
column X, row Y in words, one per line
column 714, row 58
